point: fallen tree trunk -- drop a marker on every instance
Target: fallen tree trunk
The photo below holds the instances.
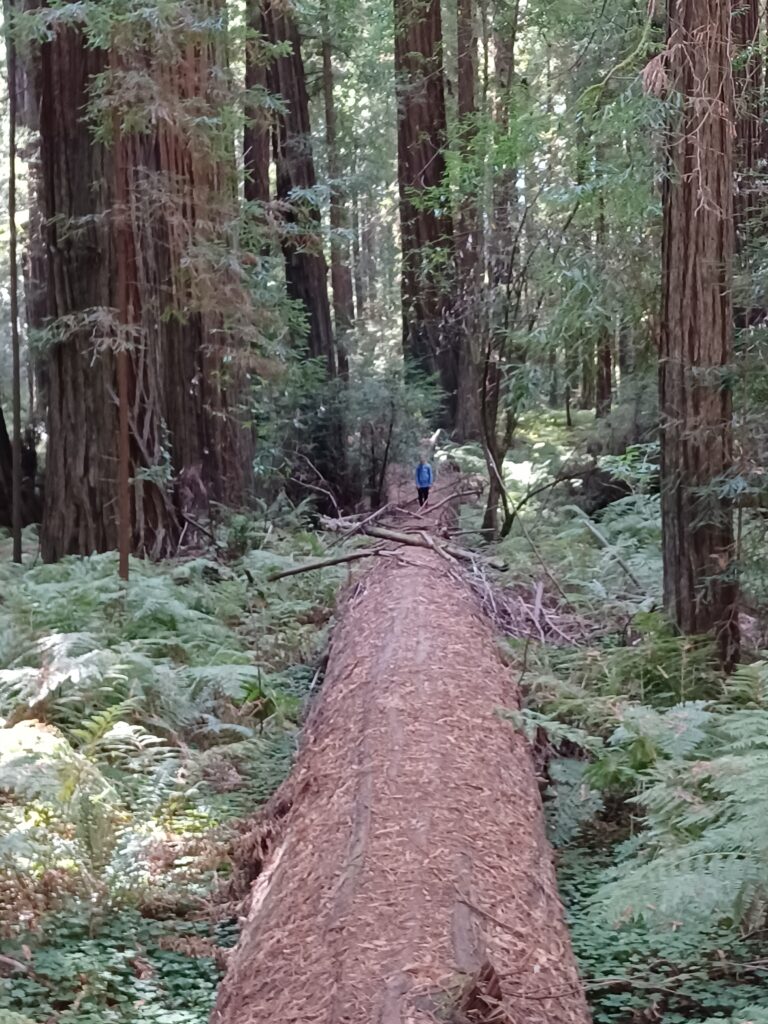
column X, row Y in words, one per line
column 410, row 879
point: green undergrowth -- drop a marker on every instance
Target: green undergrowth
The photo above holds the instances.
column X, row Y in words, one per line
column 657, row 779
column 140, row 723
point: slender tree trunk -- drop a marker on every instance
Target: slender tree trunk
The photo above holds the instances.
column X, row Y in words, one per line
column 426, row 227
column 257, row 123
column 305, row 267
column 16, row 515
column 361, row 304
column 122, row 243
column 604, row 366
column 6, row 475
column 748, row 103
column 587, row 388
column 469, row 243
column 341, row 272
column 368, row 239
column 700, row 586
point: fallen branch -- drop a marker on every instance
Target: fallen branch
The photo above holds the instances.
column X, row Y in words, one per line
column 318, row 490
column 418, row 541
column 322, row 563
column 605, row 543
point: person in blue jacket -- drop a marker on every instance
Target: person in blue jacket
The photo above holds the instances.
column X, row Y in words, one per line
column 423, row 481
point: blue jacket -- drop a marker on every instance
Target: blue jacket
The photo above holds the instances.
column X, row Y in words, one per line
column 424, row 476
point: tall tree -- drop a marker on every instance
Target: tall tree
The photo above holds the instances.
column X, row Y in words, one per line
column 257, row 124
column 604, row 364
column 341, row 271
column 696, row 338
column 16, row 515
column 184, row 380
column 426, row 224
column 305, row 266
column 749, row 73
column 469, row 230
column 80, row 491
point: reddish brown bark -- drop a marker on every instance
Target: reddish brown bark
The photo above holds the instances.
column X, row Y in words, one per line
column 426, row 226
column 341, row 271
column 257, row 123
column 79, row 515
column 185, row 380
column 405, row 876
column 187, row 296
column 305, row 266
column 604, row 365
column 699, row 582
column 469, row 243
column 745, row 23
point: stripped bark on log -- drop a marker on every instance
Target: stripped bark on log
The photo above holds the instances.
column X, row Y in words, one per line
column 411, row 880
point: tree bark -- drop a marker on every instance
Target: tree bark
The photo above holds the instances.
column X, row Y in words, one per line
column 426, row 226
column 186, row 380
column 469, row 243
column 257, row 122
column 341, row 271
column 16, row 503
column 305, row 266
column 700, row 585
column 204, row 340
column 748, row 105
column 80, row 490
column 358, row 273
column 435, row 895
column 604, row 366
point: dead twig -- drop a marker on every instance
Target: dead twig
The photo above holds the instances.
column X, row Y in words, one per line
column 322, row 563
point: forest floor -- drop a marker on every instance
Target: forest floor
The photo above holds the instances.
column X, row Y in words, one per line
column 414, row 851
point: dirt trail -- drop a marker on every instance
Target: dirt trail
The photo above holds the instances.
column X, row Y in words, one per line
column 412, row 881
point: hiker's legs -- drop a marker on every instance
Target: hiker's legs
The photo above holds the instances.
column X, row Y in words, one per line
column 423, row 495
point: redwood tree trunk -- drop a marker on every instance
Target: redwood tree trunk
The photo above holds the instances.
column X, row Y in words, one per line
column 185, row 382
column 468, row 235
column 604, row 366
column 305, row 267
column 403, row 875
column 358, row 273
column 80, row 489
column 257, row 127
column 426, row 226
column 204, row 340
column 749, row 91
column 696, row 338
column 341, row 272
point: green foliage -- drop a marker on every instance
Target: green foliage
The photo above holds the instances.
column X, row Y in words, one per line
column 635, row 974
column 123, row 969
column 139, row 721
column 571, row 801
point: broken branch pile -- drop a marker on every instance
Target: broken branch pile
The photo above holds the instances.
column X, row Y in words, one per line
column 349, row 527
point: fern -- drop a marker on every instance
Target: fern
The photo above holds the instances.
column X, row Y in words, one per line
column 571, row 801
column 703, row 855
column 127, row 710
